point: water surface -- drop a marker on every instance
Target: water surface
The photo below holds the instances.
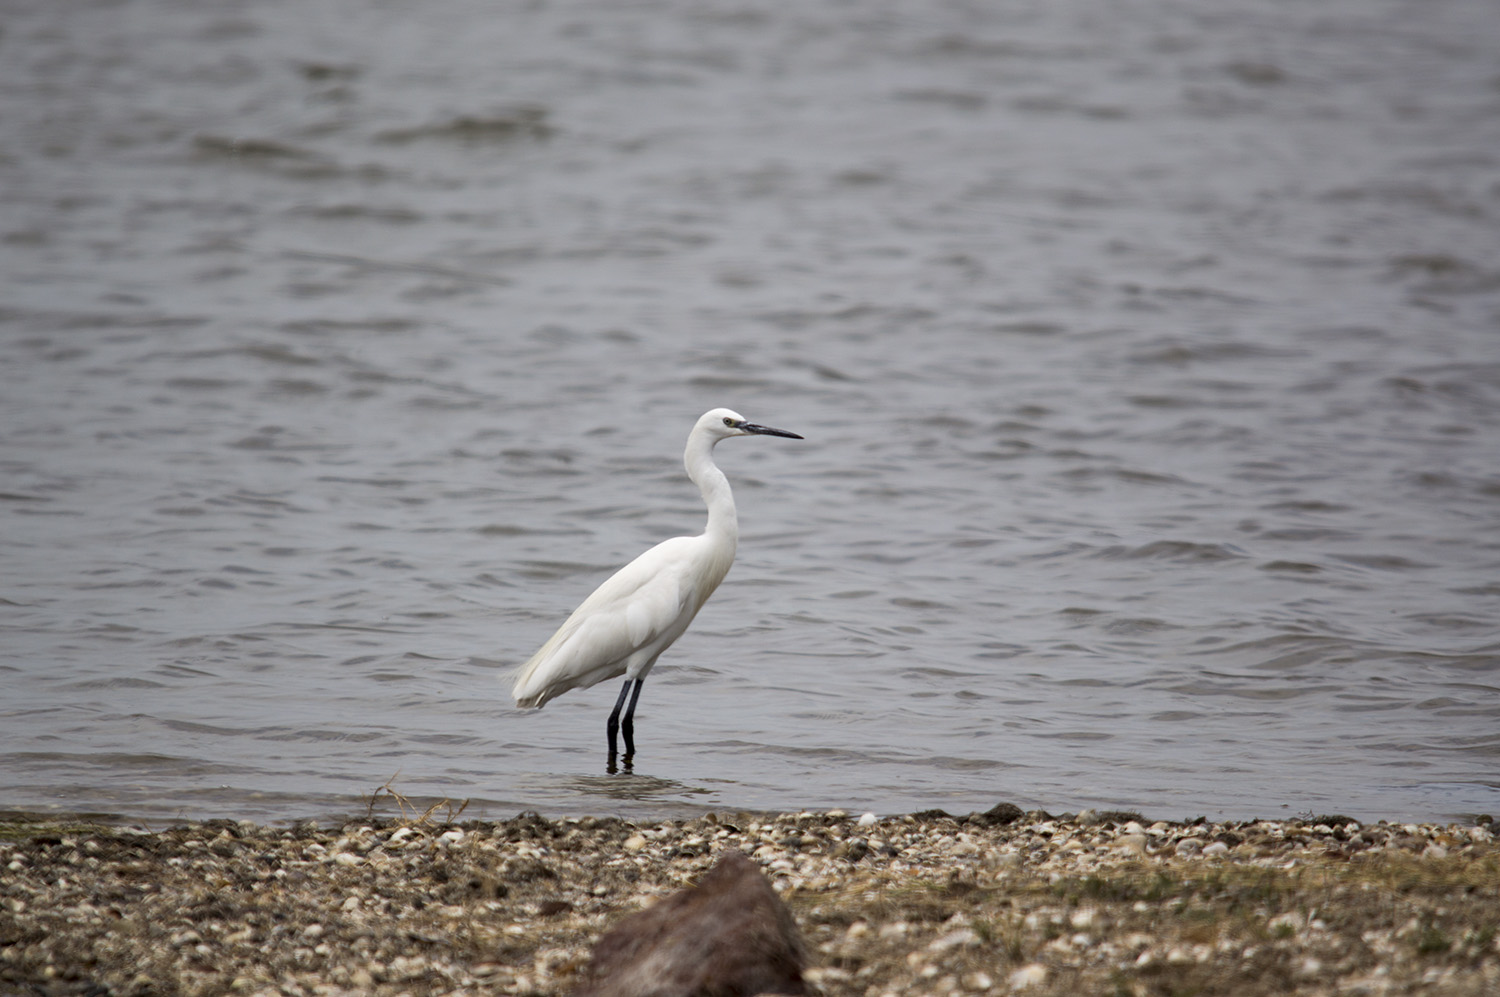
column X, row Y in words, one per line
column 1148, row 360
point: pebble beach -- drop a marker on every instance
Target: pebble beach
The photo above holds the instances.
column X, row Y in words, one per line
column 926, row 903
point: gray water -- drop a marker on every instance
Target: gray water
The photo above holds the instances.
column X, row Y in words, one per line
column 1148, row 356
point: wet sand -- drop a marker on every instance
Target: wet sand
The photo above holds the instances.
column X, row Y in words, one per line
column 1092, row 903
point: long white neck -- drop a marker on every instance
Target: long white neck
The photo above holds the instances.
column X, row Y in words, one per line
column 723, row 524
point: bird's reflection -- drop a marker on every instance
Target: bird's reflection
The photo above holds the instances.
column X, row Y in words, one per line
column 630, row 786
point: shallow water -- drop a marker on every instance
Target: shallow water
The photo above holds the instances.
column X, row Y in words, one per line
column 1149, row 364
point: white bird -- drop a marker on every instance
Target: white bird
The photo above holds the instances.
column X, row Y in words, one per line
column 641, row 609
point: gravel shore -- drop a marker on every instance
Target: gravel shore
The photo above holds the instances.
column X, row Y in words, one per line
column 999, row 902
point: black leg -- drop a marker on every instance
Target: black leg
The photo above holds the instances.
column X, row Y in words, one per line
column 628, row 727
column 614, row 725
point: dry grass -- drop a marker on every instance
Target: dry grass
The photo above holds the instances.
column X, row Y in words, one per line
column 412, row 815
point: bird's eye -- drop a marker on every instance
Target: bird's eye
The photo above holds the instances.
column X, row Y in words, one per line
column 729, row 422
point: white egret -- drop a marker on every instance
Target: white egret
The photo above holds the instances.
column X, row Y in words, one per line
column 641, row 609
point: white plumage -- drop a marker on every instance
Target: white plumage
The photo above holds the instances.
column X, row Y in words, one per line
column 625, row 625
column 629, row 620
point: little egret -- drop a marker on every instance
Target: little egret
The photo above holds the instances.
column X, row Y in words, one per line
column 641, row 609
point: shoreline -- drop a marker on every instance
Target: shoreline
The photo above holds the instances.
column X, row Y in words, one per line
column 924, row 903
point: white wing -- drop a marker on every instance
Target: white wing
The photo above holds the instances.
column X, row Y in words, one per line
column 627, row 622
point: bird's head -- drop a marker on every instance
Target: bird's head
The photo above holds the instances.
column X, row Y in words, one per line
column 722, row 423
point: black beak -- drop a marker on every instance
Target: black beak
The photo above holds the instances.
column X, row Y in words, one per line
column 751, row 427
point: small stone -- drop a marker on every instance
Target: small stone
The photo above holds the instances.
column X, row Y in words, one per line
column 979, row 981
column 1031, row 975
column 821, row 976
column 866, row 820
column 854, row 849
column 483, row 969
column 953, row 940
column 1284, row 924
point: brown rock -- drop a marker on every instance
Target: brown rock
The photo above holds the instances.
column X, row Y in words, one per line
column 999, row 815
column 729, row 936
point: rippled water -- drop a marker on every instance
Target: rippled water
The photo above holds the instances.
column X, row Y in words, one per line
column 1148, row 358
